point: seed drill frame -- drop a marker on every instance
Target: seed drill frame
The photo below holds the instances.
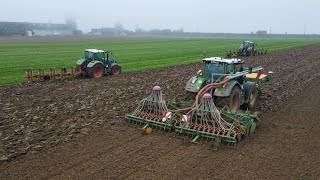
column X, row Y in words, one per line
column 201, row 121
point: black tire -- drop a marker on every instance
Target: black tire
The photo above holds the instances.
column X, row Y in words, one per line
column 253, row 52
column 115, row 70
column 96, row 71
column 232, row 101
column 248, row 53
column 253, row 97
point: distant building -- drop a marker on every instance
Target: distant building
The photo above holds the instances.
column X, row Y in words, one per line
column 38, row 29
column 108, row 32
column 12, row 28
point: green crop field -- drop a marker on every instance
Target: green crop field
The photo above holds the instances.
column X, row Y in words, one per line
column 133, row 55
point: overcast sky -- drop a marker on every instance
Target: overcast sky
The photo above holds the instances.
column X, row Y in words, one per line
column 242, row 16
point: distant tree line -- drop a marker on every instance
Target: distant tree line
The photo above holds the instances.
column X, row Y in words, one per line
column 119, row 30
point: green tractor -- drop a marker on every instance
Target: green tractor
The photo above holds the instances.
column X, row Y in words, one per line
column 97, row 63
column 242, row 87
column 247, row 48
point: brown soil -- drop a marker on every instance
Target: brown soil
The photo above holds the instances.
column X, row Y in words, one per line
column 75, row 129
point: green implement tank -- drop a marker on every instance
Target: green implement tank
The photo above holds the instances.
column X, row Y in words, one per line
column 97, row 63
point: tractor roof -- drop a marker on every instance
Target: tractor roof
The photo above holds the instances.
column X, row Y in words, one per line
column 247, row 41
column 95, row 50
column 222, row 60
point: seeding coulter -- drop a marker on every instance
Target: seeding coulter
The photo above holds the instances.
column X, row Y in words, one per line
column 202, row 121
column 95, row 64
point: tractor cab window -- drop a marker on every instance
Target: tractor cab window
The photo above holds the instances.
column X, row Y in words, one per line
column 213, row 68
column 100, row 56
column 89, row 55
column 246, row 44
column 230, row 69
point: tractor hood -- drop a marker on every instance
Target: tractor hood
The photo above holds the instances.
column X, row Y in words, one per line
column 80, row 61
column 195, row 83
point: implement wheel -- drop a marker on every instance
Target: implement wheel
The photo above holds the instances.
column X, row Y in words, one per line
column 116, row 70
column 96, row 71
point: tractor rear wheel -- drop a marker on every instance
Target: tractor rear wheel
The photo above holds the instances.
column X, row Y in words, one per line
column 96, row 71
column 253, row 52
column 232, row 101
column 116, row 70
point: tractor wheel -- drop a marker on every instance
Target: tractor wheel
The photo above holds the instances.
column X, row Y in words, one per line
column 232, row 101
column 116, row 70
column 252, row 53
column 96, row 71
column 253, row 97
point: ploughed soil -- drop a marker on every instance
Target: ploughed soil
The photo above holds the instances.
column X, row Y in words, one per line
column 76, row 129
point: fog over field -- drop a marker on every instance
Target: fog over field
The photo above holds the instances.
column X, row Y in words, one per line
column 233, row 16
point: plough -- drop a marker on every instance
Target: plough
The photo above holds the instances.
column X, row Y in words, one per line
column 95, row 64
column 203, row 120
column 42, row 75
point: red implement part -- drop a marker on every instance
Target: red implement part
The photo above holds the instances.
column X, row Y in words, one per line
column 97, row 72
column 41, row 75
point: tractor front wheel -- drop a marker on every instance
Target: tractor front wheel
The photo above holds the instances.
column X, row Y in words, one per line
column 116, row 70
column 96, row 71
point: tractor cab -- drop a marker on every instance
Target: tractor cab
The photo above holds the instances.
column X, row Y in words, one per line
column 95, row 55
column 247, row 44
column 216, row 68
